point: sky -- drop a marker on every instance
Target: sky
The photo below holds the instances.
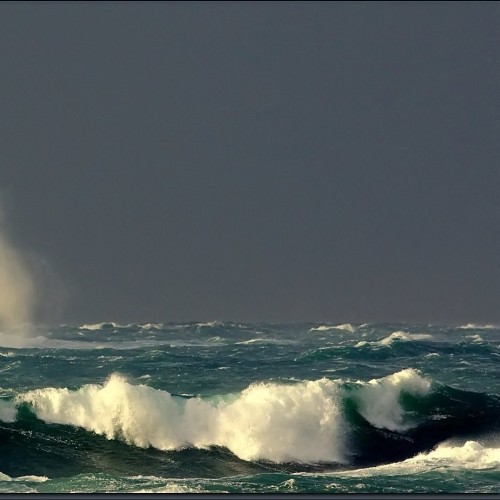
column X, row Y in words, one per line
column 268, row 161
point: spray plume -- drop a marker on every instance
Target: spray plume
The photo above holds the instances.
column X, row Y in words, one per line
column 17, row 290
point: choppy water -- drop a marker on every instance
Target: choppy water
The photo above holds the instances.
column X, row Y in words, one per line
column 251, row 408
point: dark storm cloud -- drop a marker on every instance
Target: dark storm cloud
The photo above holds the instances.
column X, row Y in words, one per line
column 283, row 161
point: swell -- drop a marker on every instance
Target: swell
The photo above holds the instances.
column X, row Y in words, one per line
column 282, row 427
column 30, row 446
column 395, row 348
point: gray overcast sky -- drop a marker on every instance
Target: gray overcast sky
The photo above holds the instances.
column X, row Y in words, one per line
column 256, row 161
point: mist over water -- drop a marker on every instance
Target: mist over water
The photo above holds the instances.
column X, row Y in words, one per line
column 17, row 287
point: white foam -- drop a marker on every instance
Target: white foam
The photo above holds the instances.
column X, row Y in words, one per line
column 174, row 488
column 32, row 479
column 26, row 479
column 289, row 484
column 300, row 422
column 347, row 327
column 470, row 455
column 378, row 399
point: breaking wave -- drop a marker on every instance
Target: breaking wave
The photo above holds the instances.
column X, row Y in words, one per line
column 265, row 421
column 323, row 421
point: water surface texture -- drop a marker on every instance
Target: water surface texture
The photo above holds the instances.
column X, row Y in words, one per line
column 251, row 408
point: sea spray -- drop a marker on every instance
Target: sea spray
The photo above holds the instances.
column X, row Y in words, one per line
column 17, row 288
column 30, row 291
column 8, row 411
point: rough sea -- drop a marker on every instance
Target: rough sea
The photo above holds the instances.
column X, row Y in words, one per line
column 251, row 408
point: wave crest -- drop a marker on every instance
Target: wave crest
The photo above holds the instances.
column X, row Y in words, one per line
column 474, row 326
column 100, row 326
column 266, row 421
column 347, row 327
column 398, row 336
column 379, row 400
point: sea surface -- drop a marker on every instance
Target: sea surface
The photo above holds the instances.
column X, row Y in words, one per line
column 250, row 408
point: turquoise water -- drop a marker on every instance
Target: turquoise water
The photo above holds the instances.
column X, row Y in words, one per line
column 250, row 408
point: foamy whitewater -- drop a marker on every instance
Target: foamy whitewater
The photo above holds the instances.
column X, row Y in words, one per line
column 250, row 408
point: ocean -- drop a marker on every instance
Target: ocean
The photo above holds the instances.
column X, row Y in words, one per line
column 226, row 407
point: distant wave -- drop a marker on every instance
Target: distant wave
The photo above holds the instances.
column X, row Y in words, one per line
column 347, row 327
column 396, row 337
column 151, row 326
column 40, row 342
column 475, row 338
column 208, row 324
column 109, row 325
column 255, row 341
column 388, row 346
column 101, row 326
column 265, row 341
column 474, row 326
